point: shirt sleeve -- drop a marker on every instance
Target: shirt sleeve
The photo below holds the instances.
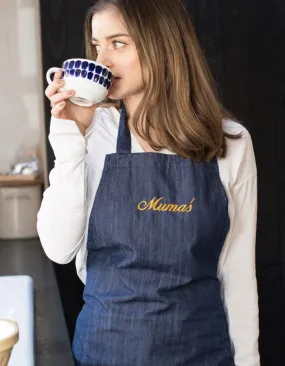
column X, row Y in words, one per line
column 61, row 220
column 238, row 274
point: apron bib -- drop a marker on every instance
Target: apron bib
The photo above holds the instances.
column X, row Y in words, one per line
column 152, row 295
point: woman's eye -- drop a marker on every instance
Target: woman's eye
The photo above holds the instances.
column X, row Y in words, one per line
column 116, row 45
column 119, row 44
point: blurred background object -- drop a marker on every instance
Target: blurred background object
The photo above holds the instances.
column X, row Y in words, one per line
column 28, row 286
column 9, row 336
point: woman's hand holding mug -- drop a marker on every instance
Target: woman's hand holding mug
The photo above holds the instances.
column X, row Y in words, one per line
column 62, row 108
column 75, row 93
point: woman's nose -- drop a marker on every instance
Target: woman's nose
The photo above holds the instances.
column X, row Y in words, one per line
column 103, row 59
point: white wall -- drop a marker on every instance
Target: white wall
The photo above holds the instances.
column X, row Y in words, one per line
column 21, row 90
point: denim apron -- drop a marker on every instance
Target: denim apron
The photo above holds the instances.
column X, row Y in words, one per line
column 152, row 295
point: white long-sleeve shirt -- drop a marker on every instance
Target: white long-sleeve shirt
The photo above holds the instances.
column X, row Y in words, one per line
column 67, row 203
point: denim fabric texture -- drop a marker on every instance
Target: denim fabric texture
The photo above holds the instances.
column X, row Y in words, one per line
column 152, row 295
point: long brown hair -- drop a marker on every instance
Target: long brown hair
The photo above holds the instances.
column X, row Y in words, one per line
column 180, row 102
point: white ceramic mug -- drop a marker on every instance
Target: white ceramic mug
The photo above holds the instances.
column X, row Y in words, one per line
column 9, row 336
column 90, row 80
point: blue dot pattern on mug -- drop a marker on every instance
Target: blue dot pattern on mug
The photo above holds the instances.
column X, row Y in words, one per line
column 88, row 70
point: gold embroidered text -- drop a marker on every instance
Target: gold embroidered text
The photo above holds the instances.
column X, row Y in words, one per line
column 156, row 204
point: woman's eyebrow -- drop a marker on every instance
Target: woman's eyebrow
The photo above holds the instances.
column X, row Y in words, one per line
column 113, row 36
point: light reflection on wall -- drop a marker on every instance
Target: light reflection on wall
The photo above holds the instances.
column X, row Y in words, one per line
column 21, row 92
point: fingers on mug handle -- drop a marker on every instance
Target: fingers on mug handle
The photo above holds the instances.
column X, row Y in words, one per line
column 57, row 75
column 53, row 70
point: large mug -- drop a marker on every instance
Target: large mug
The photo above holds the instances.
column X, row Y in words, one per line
column 90, row 80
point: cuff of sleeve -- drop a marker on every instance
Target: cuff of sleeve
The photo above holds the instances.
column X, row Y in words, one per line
column 63, row 126
column 66, row 140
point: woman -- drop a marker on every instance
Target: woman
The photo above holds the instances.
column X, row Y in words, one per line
column 154, row 192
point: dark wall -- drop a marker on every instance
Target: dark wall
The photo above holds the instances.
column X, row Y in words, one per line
column 62, row 38
column 244, row 45
column 244, row 42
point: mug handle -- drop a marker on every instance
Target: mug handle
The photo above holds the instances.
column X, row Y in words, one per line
column 51, row 71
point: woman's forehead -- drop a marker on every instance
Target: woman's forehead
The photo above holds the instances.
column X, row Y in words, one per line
column 107, row 22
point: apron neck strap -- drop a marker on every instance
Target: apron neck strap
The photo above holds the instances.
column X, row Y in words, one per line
column 124, row 144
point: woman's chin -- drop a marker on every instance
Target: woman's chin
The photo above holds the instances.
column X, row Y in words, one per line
column 116, row 95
